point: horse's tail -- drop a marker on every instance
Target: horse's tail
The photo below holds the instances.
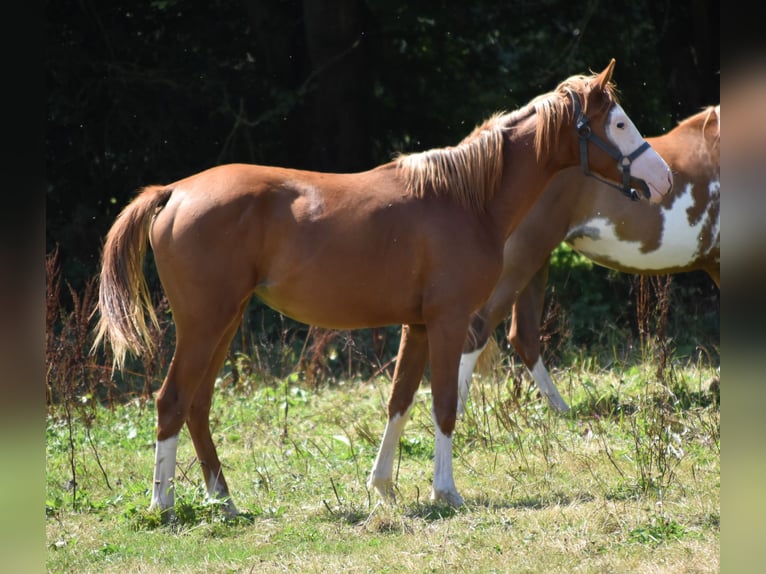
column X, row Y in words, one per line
column 123, row 297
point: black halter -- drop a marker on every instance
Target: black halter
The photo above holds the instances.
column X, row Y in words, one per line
column 586, row 134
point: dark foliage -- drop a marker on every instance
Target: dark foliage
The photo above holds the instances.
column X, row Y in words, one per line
column 142, row 93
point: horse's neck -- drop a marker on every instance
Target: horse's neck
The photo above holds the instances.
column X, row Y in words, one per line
column 523, row 182
column 688, row 150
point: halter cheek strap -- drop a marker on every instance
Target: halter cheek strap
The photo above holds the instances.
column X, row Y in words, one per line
column 585, row 134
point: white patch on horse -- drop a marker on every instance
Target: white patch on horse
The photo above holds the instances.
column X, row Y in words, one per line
column 715, row 234
column 383, row 468
column 444, row 482
column 467, row 365
column 678, row 246
column 310, row 203
column 547, row 387
column 216, row 492
column 163, row 490
column 622, row 131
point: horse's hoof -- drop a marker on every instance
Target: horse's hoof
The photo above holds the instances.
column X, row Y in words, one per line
column 385, row 489
column 560, row 406
column 229, row 510
column 557, row 403
column 167, row 515
column 451, row 497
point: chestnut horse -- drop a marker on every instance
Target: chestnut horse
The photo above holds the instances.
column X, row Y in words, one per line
column 679, row 234
column 417, row 242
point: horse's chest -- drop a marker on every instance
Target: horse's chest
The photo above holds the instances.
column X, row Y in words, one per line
column 688, row 232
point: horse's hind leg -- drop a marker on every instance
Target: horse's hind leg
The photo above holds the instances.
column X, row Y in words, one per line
column 475, row 342
column 198, row 422
column 410, row 366
column 524, row 335
column 484, row 321
column 197, row 342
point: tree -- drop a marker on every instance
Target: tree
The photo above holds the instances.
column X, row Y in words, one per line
column 141, row 94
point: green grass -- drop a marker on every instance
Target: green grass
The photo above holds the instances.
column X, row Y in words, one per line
column 628, row 482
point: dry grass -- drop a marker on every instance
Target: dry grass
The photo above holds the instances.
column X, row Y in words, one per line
column 628, row 482
column 543, row 493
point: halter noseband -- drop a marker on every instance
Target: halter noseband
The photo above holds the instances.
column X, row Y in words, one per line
column 585, row 133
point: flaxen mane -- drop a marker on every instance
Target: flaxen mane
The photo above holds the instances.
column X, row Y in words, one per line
column 471, row 171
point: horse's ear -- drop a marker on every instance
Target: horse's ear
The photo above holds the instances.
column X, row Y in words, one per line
column 603, row 79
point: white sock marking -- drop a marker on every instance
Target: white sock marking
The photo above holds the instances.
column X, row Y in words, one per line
column 383, row 468
column 214, row 489
column 163, row 490
column 467, row 366
column 444, row 481
column 545, row 383
column 215, row 492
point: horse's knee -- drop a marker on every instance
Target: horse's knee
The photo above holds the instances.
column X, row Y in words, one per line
column 444, row 401
column 478, row 333
column 445, row 418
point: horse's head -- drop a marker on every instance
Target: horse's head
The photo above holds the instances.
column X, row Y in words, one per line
column 607, row 142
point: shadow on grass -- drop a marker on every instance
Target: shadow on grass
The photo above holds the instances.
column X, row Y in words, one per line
column 392, row 518
column 533, row 502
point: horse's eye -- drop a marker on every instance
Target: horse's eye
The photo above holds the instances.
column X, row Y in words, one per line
column 621, row 125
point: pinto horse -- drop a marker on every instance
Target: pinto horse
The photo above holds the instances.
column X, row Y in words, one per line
column 417, row 241
column 681, row 233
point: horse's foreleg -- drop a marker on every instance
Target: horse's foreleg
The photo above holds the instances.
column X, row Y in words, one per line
column 163, row 489
column 444, row 352
column 198, row 423
column 410, row 366
column 475, row 342
column 524, row 335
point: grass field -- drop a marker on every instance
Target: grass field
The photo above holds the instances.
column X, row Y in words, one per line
column 629, row 481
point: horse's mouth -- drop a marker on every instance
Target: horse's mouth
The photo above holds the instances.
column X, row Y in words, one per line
column 656, row 196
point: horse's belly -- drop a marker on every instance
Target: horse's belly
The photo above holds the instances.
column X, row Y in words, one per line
column 606, row 248
column 339, row 306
